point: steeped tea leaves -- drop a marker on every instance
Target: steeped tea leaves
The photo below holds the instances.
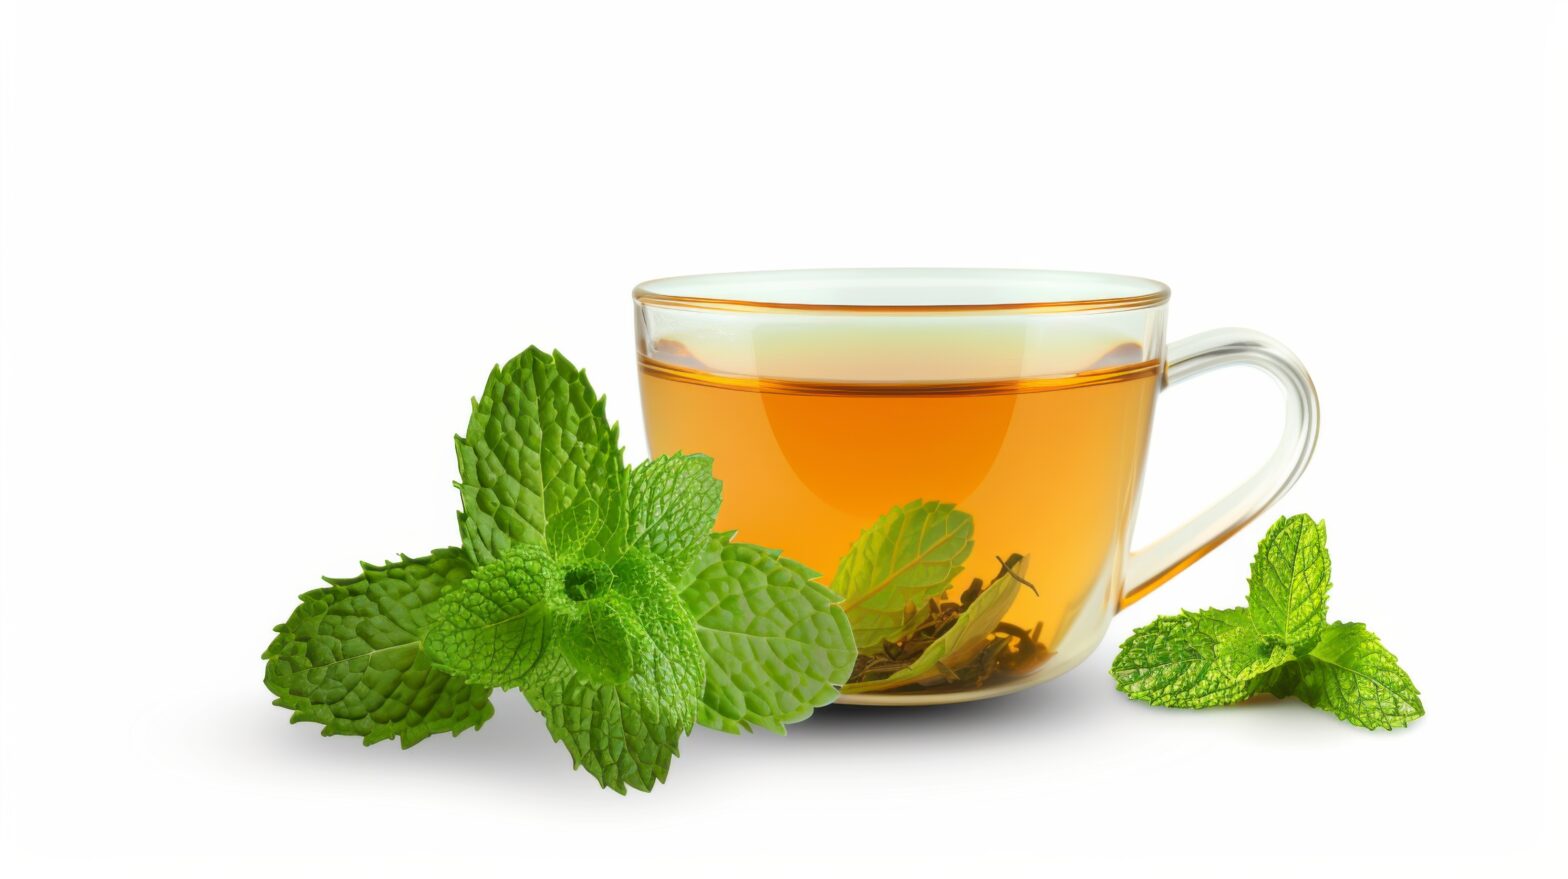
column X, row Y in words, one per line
column 907, row 557
column 960, row 643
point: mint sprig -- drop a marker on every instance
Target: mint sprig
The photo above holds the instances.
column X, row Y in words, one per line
column 1280, row 643
column 597, row 590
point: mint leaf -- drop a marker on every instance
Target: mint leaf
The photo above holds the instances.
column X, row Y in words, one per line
column 1282, row 682
column 537, row 442
column 573, row 531
column 908, row 556
column 806, row 573
column 1191, row 660
column 625, row 734
column 493, row 628
column 601, row 639
column 1288, row 589
column 963, row 641
column 673, row 501
column 1350, row 673
column 641, row 583
column 776, row 643
column 1241, row 650
column 608, row 655
column 349, row 657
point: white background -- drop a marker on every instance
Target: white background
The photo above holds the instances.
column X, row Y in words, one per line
column 258, row 255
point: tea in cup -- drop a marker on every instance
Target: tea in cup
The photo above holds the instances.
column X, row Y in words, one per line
column 958, row 452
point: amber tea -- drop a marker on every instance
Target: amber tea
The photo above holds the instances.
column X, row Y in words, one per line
column 1047, row 468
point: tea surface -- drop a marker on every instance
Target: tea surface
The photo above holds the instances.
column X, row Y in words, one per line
column 1048, row 468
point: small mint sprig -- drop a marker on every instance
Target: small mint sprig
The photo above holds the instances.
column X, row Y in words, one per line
column 1280, row 643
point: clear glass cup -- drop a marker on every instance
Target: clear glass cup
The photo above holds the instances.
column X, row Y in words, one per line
column 957, row 451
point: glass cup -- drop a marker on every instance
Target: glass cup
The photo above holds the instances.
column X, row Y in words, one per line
column 958, row 451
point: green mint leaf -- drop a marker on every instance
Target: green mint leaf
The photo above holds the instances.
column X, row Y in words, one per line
column 776, row 643
column 1241, row 650
column 1351, row 674
column 349, row 658
column 1191, row 660
column 1288, row 589
column 907, row 557
column 641, row 583
column 601, row 639
column 804, row 572
column 963, row 641
column 672, row 502
column 537, row 442
column 492, row 629
column 572, row 532
column 1281, row 683
column 625, row 734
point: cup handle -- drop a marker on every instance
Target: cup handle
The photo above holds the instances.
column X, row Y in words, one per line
column 1150, row 567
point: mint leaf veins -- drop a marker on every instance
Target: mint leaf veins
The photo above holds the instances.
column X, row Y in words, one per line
column 1287, row 593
